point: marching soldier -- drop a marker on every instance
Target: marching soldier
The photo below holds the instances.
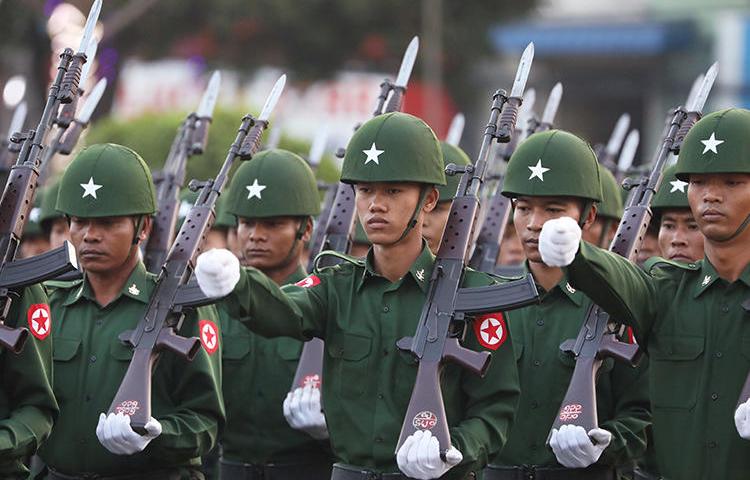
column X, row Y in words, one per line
column 608, row 213
column 434, row 221
column 362, row 307
column 107, row 194
column 54, row 223
column 551, row 175
column 274, row 198
column 34, row 241
column 688, row 316
column 28, row 407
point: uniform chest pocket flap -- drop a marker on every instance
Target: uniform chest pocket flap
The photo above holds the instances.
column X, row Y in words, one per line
column 64, row 349
column 236, row 347
column 288, row 348
column 120, row 351
column 675, row 370
column 347, row 362
column 348, row 346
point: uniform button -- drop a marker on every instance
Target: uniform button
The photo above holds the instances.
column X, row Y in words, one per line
column 534, row 404
column 88, row 397
column 537, row 363
column 378, row 440
column 534, row 447
column 714, row 396
column 540, row 322
column 380, row 396
column 386, row 309
column 92, row 358
column 719, row 354
column 712, row 444
column 99, row 322
column 385, row 351
column 725, row 308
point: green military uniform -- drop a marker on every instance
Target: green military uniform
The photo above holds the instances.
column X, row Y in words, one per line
column 27, row 405
column 90, row 360
column 537, row 331
column 690, row 321
column 361, row 315
column 259, row 371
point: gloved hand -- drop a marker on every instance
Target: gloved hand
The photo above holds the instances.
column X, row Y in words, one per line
column 574, row 448
column 115, row 434
column 217, row 272
column 558, row 241
column 419, row 457
column 742, row 420
column 303, row 411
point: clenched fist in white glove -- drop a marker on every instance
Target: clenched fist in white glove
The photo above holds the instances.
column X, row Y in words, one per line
column 116, row 435
column 217, row 272
column 303, row 411
column 419, row 457
column 574, row 448
column 558, row 241
column 742, row 420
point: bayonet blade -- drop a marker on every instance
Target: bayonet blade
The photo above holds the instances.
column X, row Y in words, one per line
column 694, row 90
column 706, row 85
column 618, row 135
column 19, row 117
column 92, row 101
column 88, row 30
column 90, row 55
column 628, row 151
column 553, row 103
column 456, row 130
column 318, row 146
column 210, row 95
column 272, row 99
column 407, row 64
column 522, row 74
column 525, row 114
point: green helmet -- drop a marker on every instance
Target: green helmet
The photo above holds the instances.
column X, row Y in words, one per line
column 451, row 154
column 275, row 183
column 672, row 192
column 611, row 204
column 48, row 211
column 224, row 219
column 718, row 143
column 554, row 163
column 106, row 180
column 33, row 226
column 394, row 147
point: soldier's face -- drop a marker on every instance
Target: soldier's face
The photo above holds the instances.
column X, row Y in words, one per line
column 680, row 239
column 511, row 250
column 59, row 232
column 530, row 213
column 266, row 242
column 603, row 229
column 720, row 203
column 385, row 208
column 434, row 224
column 104, row 244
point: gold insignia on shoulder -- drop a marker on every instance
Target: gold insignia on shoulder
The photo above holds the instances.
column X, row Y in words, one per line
column 133, row 290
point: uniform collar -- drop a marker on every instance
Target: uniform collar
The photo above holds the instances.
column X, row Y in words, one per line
column 563, row 286
column 420, row 271
column 708, row 277
column 138, row 287
column 295, row 276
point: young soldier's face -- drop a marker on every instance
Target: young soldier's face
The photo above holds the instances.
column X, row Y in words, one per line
column 59, row 232
column 434, row 224
column 680, row 239
column 720, row 203
column 511, row 250
column 103, row 244
column 530, row 214
column 385, row 208
column 266, row 242
column 594, row 234
column 33, row 245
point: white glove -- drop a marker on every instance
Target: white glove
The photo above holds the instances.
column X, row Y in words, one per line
column 576, row 449
column 217, row 272
column 742, row 420
column 419, row 457
column 558, row 241
column 303, row 411
column 115, row 434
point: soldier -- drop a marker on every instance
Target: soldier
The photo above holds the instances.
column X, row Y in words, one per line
column 511, row 250
column 274, row 198
column 34, row 241
column 680, row 239
column 362, row 307
column 54, row 223
column 434, row 221
column 608, row 213
column 689, row 317
column 550, row 175
column 107, row 194
column 27, row 405
column 360, row 244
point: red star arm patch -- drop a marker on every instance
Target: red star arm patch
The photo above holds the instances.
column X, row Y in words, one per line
column 309, row 281
column 209, row 336
column 40, row 320
column 491, row 330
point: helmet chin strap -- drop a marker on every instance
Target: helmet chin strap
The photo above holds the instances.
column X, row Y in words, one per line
column 297, row 237
column 413, row 220
column 739, row 230
column 585, row 212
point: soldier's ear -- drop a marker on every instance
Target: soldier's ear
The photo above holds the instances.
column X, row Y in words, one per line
column 590, row 216
column 431, row 198
column 148, row 223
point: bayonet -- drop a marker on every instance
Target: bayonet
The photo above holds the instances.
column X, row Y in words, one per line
column 84, row 115
column 694, row 110
column 407, row 63
column 618, row 135
column 456, row 130
column 550, row 110
column 318, row 147
column 628, row 151
column 694, row 90
column 208, row 101
column 272, row 99
column 18, row 119
column 507, row 123
column 90, row 55
column 88, row 30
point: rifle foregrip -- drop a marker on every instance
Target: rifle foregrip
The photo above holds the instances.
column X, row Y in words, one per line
column 252, row 140
column 13, row 339
column 69, row 86
column 626, row 352
column 690, row 120
column 507, row 122
column 186, row 347
column 72, row 134
column 476, row 362
column 503, row 296
column 200, row 137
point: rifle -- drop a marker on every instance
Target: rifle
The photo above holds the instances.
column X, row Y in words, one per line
column 597, row 338
column 190, row 140
column 607, row 154
column 442, row 322
column 9, row 149
column 20, row 188
column 165, row 313
column 550, row 110
column 340, row 220
column 456, row 130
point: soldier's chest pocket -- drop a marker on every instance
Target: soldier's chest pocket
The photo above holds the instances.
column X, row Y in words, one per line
column 675, row 371
column 64, row 353
column 235, row 348
column 120, row 352
column 348, row 363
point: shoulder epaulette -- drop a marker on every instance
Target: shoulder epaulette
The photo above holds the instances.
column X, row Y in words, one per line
column 63, row 284
column 356, row 261
column 659, row 262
